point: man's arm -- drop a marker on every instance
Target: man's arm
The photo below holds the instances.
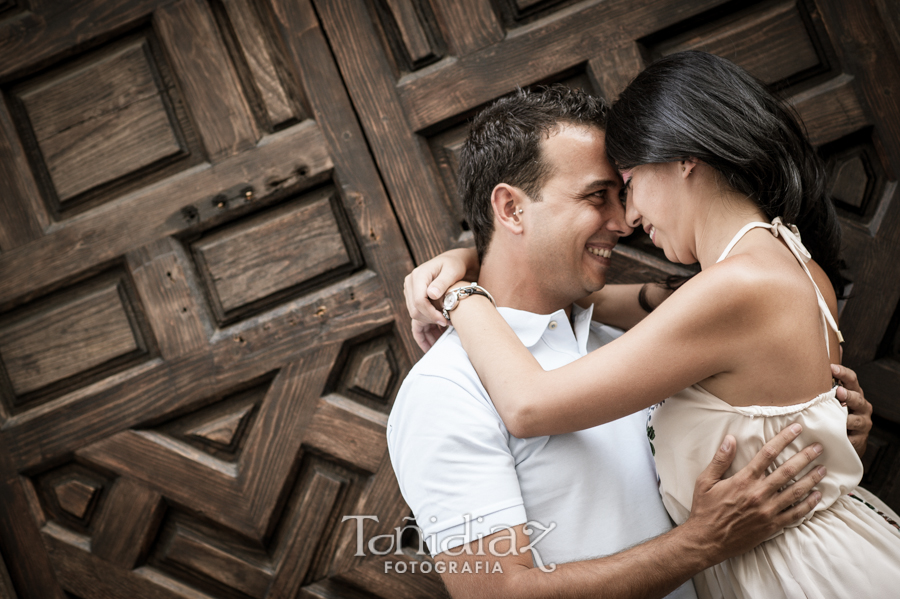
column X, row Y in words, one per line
column 728, row 517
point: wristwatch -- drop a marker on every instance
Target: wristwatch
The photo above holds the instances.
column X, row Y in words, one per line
column 453, row 297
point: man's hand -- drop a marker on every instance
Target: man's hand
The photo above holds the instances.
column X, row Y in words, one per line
column 740, row 512
column 859, row 421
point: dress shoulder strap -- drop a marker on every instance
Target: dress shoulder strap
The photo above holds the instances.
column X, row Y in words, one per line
column 791, row 237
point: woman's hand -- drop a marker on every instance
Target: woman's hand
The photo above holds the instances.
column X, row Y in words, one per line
column 428, row 283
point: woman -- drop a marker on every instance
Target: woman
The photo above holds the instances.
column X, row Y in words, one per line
column 714, row 166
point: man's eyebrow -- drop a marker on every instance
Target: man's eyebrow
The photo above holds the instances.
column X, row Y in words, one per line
column 601, row 183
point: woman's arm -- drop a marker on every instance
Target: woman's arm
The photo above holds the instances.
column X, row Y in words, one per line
column 695, row 334
column 429, row 281
column 620, row 306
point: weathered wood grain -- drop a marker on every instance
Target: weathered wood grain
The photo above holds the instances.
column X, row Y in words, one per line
column 264, row 63
column 349, row 432
column 58, row 339
column 408, row 177
column 99, row 121
column 374, row 373
column 23, row 215
column 412, row 32
column 532, row 53
column 125, row 528
column 236, row 355
column 383, row 245
column 308, row 522
column 468, row 25
column 174, row 205
column 188, row 550
column 171, row 299
column 221, row 112
column 42, row 35
column 75, row 496
column 88, row 575
column 19, row 536
column 772, row 41
column 272, row 252
column 613, row 70
column 830, row 110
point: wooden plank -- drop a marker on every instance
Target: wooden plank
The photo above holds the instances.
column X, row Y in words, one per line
column 468, row 25
column 238, row 354
column 88, row 575
column 188, row 550
column 614, row 69
column 830, row 110
column 220, row 111
column 412, row 31
column 288, row 159
column 349, row 432
column 62, row 337
column 383, row 245
column 402, row 156
column 6, row 587
column 99, row 121
column 264, row 64
column 19, row 536
column 51, row 33
column 274, row 444
column 125, row 528
column 273, row 251
column 23, row 215
column 533, row 53
column 161, row 273
column 307, row 523
column 771, row 42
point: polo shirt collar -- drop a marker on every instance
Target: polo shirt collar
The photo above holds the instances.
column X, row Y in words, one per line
column 530, row 327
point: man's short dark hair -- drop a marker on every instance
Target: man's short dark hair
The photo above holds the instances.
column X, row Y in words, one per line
column 504, row 146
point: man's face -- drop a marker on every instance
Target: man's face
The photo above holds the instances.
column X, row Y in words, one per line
column 573, row 230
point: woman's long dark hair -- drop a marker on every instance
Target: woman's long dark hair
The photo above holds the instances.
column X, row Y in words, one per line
column 697, row 105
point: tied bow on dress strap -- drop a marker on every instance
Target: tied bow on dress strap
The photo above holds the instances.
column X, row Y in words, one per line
column 791, row 237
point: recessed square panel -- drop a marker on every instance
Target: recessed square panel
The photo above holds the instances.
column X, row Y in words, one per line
column 290, row 248
column 77, row 334
column 775, row 41
column 99, row 120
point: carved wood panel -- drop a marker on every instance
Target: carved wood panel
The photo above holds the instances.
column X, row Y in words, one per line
column 200, row 276
column 836, row 62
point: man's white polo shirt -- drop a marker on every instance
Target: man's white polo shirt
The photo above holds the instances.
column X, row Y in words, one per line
column 465, row 476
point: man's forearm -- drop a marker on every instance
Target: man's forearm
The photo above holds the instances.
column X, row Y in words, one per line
column 654, row 568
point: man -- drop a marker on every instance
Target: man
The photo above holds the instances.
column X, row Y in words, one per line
column 497, row 511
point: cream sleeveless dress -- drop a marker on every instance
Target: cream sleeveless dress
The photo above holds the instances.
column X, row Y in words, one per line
column 850, row 544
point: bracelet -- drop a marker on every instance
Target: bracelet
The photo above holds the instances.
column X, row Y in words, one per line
column 642, row 299
column 454, row 296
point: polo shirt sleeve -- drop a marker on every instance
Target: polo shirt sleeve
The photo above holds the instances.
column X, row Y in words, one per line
column 450, row 452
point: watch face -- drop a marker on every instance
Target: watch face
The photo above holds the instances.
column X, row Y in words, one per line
column 450, row 300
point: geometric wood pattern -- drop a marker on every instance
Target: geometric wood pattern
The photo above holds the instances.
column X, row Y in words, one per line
column 169, row 424
column 75, row 496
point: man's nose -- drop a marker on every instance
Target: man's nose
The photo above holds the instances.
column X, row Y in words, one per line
column 617, row 221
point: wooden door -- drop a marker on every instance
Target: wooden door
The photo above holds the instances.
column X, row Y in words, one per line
column 417, row 70
column 200, row 280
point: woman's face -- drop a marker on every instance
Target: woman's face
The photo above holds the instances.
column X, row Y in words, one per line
column 653, row 201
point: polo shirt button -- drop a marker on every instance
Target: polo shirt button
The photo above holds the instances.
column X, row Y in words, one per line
column 552, row 324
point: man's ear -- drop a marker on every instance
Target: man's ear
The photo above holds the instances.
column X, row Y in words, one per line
column 508, row 204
